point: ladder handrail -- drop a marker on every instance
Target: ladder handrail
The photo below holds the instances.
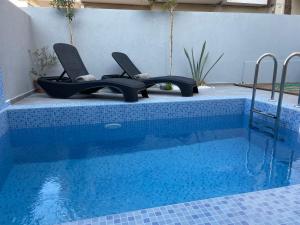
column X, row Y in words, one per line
column 257, row 66
column 281, row 91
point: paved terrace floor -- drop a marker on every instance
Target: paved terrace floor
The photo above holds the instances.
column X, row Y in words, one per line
column 217, row 92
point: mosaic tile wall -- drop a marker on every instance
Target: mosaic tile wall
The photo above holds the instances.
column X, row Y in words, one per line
column 2, row 98
column 3, row 114
column 3, row 122
column 279, row 206
column 95, row 114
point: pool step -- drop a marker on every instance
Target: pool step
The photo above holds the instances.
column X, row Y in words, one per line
column 264, row 113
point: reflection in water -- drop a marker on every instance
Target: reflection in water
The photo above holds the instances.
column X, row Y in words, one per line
column 48, row 200
column 267, row 162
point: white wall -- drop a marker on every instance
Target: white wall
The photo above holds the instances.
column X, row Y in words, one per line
column 15, row 40
column 100, row 32
column 243, row 38
column 143, row 35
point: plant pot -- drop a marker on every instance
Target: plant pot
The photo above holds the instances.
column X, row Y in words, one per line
column 200, row 83
column 37, row 87
column 204, row 87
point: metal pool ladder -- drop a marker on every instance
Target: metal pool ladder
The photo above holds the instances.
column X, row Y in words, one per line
column 276, row 116
column 283, row 78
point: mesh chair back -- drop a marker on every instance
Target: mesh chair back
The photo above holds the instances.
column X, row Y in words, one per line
column 70, row 60
column 125, row 63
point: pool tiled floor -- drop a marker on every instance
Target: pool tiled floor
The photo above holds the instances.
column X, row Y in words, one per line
column 280, row 206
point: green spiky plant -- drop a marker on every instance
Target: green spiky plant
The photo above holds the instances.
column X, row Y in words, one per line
column 67, row 6
column 197, row 67
column 170, row 6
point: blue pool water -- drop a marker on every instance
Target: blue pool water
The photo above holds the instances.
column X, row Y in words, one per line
column 54, row 175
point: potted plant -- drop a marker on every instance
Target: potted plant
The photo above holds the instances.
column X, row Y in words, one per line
column 42, row 60
column 67, row 6
column 197, row 66
column 170, row 6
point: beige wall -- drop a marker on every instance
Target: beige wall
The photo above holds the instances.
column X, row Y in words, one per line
column 279, row 7
column 186, row 7
column 221, row 8
column 37, row 3
column 181, row 7
column 276, row 6
column 295, row 7
column 115, row 6
column 43, row 3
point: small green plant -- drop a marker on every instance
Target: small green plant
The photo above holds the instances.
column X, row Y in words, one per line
column 67, row 6
column 197, row 67
column 42, row 60
column 168, row 87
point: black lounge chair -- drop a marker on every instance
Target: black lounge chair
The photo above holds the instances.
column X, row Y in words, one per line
column 64, row 87
column 186, row 85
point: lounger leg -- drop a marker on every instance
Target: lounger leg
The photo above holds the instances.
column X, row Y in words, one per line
column 145, row 94
column 195, row 90
column 130, row 96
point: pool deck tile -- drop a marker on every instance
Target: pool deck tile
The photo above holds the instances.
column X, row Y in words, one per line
column 279, row 206
column 218, row 92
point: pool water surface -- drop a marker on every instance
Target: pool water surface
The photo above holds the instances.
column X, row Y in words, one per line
column 55, row 175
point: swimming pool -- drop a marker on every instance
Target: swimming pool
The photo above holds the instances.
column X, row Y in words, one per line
column 58, row 174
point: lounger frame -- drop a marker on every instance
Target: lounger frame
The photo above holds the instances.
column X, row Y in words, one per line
column 65, row 87
column 187, row 86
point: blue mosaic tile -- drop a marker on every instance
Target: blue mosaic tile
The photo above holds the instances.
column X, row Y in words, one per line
column 290, row 117
column 3, row 122
column 96, row 114
column 271, row 207
column 3, row 115
column 63, row 115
